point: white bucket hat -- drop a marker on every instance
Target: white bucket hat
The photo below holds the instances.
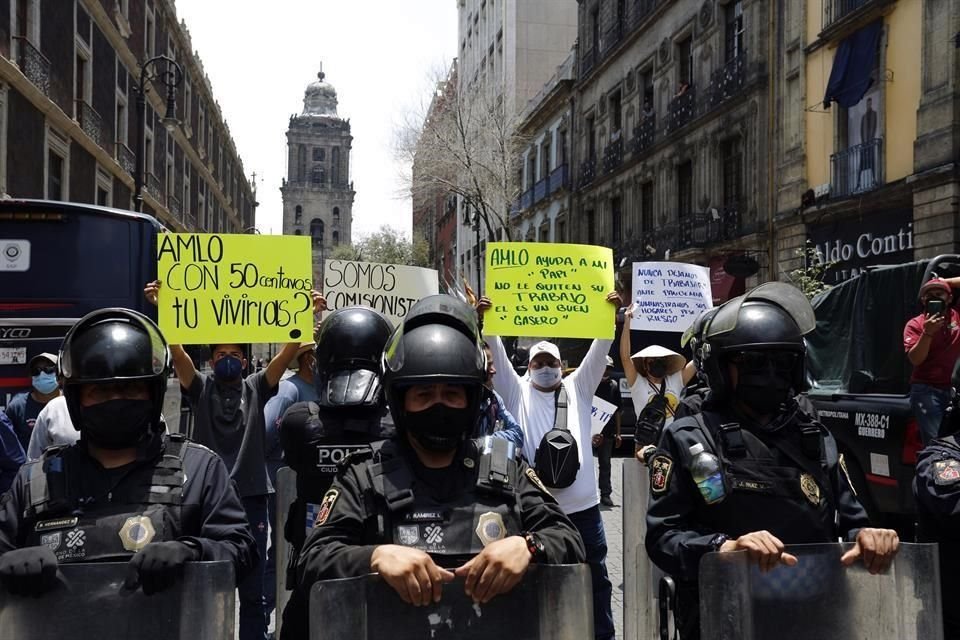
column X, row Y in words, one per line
column 675, row 361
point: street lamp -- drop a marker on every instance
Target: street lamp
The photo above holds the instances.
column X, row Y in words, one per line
column 170, row 74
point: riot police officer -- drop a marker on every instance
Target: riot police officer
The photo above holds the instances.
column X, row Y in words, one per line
column 347, row 417
column 431, row 504
column 937, row 490
column 776, row 476
column 125, row 491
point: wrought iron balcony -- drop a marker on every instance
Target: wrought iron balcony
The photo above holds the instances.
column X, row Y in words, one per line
column 644, row 135
column 90, row 122
column 588, row 60
column 540, row 190
column 515, row 207
column 559, row 179
column 654, row 242
column 611, row 37
column 641, row 9
column 126, row 158
column 726, row 82
column 839, row 9
column 681, row 110
column 712, row 227
column 588, row 171
column 152, row 184
column 33, row 64
column 526, row 200
column 613, row 155
column 173, row 204
column 857, row 170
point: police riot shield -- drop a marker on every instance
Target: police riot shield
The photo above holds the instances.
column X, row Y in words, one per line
column 552, row 602
column 90, row 602
column 820, row 598
column 286, row 493
column 640, row 594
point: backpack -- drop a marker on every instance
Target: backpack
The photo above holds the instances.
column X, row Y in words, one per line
column 557, row 460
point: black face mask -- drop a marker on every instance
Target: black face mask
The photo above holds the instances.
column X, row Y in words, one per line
column 116, row 424
column 439, row 427
column 658, row 368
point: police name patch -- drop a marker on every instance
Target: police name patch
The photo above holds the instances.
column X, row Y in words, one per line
column 59, row 523
column 326, row 506
column 535, row 479
column 660, row 468
column 946, row 472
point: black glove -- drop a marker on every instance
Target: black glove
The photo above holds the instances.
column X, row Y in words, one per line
column 31, row 571
column 157, row 566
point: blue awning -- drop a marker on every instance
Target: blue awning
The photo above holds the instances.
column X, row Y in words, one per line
column 856, row 59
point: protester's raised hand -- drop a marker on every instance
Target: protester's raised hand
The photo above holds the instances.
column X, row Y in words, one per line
column 319, row 302
column 614, row 298
column 483, row 305
column 151, row 291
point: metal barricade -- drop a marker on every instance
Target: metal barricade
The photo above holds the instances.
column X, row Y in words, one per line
column 91, row 603
column 552, row 602
column 286, row 493
column 641, row 577
column 820, row 598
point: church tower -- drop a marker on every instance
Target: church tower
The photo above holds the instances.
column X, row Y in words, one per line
column 317, row 192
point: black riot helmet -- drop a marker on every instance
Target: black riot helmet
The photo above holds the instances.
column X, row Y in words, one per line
column 114, row 345
column 772, row 317
column 693, row 336
column 438, row 343
column 350, row 344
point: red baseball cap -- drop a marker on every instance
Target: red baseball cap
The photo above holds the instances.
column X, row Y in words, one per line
column 936, row 283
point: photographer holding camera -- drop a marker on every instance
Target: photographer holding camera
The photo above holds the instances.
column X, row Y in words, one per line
column 932, row 343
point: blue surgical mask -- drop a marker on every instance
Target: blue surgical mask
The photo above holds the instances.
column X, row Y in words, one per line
column 45, row 382
column 228, row 368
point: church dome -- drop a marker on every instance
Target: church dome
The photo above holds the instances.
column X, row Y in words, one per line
column 320, row 98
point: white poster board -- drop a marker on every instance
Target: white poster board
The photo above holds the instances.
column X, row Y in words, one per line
column 600, row 414
column 669, row 296
column 391, row 289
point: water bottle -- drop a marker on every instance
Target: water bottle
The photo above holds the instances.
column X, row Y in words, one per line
column 705, row 469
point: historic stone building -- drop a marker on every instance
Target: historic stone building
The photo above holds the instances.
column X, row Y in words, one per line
column 69, row 73
column 317, row 192
column 672, row 132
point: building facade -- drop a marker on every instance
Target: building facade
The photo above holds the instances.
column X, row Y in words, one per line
column 508, row 50
column 317, row 192
column 873, row 175
column 69, row 78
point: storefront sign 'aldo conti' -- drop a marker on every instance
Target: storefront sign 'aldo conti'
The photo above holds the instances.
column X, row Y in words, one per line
column 852, row 247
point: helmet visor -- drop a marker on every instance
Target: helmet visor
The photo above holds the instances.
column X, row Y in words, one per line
column 784, row 295
column 351, row 388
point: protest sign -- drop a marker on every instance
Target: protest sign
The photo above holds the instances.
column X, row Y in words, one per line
column 234, row 288
column 669, row 296
column 391, row 289
column 600, row 414
column 549, row 290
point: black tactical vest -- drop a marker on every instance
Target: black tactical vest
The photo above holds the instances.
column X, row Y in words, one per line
column 143, row 506
column 454, row 530
column 794, row 501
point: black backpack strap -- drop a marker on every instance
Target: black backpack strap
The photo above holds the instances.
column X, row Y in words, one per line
column 166, row 483
column 391, row 478
column 560, row 408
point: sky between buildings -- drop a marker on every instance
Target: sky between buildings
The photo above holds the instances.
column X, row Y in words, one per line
column 379, row 54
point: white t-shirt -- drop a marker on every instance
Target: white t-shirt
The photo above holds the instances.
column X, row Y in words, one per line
column 53, row 427
column 643, row 391
column 534, row 410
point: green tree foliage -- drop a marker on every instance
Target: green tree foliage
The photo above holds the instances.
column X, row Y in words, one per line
column 388, row 245
column 809, row 278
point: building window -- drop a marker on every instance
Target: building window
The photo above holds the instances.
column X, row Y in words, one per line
column 319, row 154
column 318, row 176
column 336, row 238
column 545, row 159
column 616, row 115
column 646, row 206
column 301, row 163
column 591, row 228
column 122, row 118
column 58, row 165
column 335, row 167
column 684, row 63
column 26, row 26
column 336, row 217
column 186, row 187
column 202, row 205
column 187, row 102
column 731, row 154
column 594, row 26
column 646, row 92
column 562, row 142
column 531, row 169
column 104, row 187
column 591, row 139
column 616, row 222
column 298, row 215
column 561, row 234
column 733, row 40
column 150, row 34
column 201, row 125
column 316, row 232
column 148, row 143
column 685, row 188
column 298, row 232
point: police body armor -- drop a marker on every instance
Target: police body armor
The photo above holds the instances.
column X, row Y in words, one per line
column 794, row 502
column 143, row 507
column 486, row 510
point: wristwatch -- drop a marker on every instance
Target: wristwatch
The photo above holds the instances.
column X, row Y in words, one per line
column 535, row 546
column 717, row 541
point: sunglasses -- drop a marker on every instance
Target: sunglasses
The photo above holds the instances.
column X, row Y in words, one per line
column 765, row 360
column 44, row 368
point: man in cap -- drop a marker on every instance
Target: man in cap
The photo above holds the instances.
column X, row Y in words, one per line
column 931, row 341
column 606, row 440
column 25, row 407
column 534, row 401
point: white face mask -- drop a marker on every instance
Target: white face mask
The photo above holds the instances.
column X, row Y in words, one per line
column 546, row 377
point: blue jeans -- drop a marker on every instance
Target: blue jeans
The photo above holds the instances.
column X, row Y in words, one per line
column 929, row 405
column 590, row 525
column 253, row 618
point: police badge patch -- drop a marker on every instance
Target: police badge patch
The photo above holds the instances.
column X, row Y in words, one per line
column 408, row 535
column 660, row 468
column 946, row 472
column 810, row 488
column 136, row 533
column 490, row 528
column 326, row 506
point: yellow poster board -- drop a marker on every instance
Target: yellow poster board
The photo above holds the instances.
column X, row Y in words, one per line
column 549, row 290
column 234, row 288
